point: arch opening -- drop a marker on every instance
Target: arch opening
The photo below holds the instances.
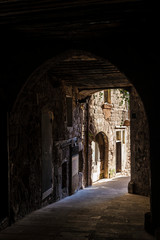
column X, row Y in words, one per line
column 99, row 157
column 110, row 118
column 78, row 76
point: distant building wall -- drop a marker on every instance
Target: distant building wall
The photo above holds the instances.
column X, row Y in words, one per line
column 110, row 118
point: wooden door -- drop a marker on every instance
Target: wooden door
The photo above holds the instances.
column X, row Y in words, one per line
column 118, row 157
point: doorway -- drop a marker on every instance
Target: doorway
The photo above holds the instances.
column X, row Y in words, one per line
column 99, row 157
column 118, row 157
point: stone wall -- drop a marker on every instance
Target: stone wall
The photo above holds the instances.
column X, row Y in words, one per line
column 107, row 118
column 140, row 147
column 26, row 145
column 112, row 118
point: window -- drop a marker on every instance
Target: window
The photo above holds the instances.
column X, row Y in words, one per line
column 118, row 135
column 107, row 96
column 123, row 136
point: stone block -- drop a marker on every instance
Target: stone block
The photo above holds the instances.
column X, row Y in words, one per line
column 131, row 187
column 107, row 113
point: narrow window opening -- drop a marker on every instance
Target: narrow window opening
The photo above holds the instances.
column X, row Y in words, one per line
column 69, row 111
column 107, row 96
column 118, row 135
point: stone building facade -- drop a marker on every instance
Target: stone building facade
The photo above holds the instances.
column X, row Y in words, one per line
column 109, row 129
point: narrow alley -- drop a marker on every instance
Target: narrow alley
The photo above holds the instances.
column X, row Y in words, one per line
column 104, row 211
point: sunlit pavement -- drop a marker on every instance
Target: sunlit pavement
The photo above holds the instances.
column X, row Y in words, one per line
column 104, row 211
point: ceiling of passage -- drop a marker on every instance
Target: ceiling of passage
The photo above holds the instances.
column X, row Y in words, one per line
column 71, row 19
column 87, row 72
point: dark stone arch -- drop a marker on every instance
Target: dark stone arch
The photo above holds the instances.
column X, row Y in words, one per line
column 75, row 68
column 71, row 67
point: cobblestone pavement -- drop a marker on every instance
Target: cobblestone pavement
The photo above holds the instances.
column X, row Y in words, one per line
column 104, row 211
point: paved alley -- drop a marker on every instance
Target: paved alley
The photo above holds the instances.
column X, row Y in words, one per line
column 104, row 211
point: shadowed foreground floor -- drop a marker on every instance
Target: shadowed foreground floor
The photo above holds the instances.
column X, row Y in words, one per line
column 104, row 211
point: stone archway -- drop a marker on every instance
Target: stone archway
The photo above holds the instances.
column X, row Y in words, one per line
column 99, row 157
column 83, row 74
